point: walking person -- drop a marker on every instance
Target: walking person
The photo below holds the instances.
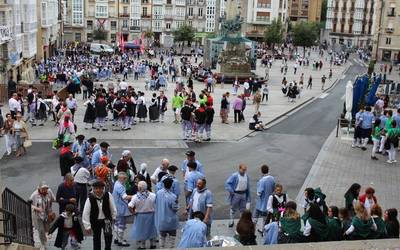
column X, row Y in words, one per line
column 257, row 101
column 238, row 187
column 265, row 187
column 142, row 206
column 209, row 120
column 101, row 113
column 42, row 213
column 368, row 120
column 265, row 93
column 121, row 199
column 66, row 193
column 309, row 85
column 237, row 108
column 8, row 133
column 162, row 102
column 72, row 105
column 166, row 217
column 323, row 80
column 90, row 113
column 200, row 118
column 186, row 116
column 20, row 132
column 98, row 214
column 225, row 108
column 81, row 178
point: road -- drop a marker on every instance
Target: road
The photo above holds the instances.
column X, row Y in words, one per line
column 289, row 148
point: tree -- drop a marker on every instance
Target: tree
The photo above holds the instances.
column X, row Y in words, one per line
column 184, row 34
column 274, row 33
column 100, row 35
column 305, row 34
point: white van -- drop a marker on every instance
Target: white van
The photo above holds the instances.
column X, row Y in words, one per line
column 98, row 48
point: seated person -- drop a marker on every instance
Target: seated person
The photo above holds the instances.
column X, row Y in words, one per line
column 256, row 124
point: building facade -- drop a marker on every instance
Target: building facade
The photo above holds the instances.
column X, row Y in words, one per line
column 304, row 10
column 260, row 13
column 387, row 36
column 73, row 20
column 48, row 28
column 351, row 23
column 101, row 20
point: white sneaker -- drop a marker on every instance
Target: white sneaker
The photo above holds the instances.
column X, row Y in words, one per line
column 389, row 161
column 394, row 161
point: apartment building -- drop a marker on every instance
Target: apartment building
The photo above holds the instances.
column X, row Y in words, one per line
column 6, row 28
column 304, row 10
column 101, row 16
column 387, row 35
column 48, row 28
column 351, row 22
column 73, row 20
column 260, row 13
column 196, row 14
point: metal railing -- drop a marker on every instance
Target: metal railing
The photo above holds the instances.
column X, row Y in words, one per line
column 16, row 219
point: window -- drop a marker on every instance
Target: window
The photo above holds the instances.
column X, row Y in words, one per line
column 391, row 11
column 135, row 22
column 113, row 38
column 388, row 40
column 89, row 24
column 89, row 37
column 144, row 11
column 157, row 12
column 180, row 12
column 200, row 11
column 169, row 1
column 101, row 10
column 157, row 25
column 179, row 24
column 44, row 13
column 124, row 23
column 135, row 10
column 78, row 37
column 168, row 26
column 190, row 11
column 180, row 2
column 125, row 1
column 77, row 12
column 125, row 10
column 113, row 25
column 190, row 23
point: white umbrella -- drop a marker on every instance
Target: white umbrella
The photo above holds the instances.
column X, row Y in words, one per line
column 349, row 100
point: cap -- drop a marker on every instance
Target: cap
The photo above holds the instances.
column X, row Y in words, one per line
column 98, row 183
column 172, row 168
column 67, row 143
column 43, row 185
column 190, row 153
column 104, row 144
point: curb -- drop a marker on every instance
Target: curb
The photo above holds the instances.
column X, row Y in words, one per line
column 337, row 80
column 315, row 167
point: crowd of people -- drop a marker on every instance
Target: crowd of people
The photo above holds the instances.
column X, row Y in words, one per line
column 105, row 195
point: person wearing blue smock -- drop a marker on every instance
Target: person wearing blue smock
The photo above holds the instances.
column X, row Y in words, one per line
column 121, row 204
column 238, row 187
column 166, row 217
column 103, row 151
column 190, row 157
column 175, row 184
column 191, row 180
column 142, row 206
column 366, row 127
column 79, row 148
column 194, row 233
column 265, row 187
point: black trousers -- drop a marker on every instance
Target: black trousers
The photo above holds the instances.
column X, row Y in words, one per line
column 81, row 191
column 97, row 228
column 264, row 96
column 237, row 115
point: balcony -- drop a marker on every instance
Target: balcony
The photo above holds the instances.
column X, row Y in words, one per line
column 135, row 28
column 263, row 19
column 124, row 15
column 145, row 16
column 264, row 5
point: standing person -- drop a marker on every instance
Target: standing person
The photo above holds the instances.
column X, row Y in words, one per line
column 191, row 157
column 145, row 176
column 257, row 101
column 162, row 102
column 10, row 141
column 162, row 168
column 66, row 130
column 276, row 203
column 42, row 213
column 368, row 199
column 376, row 138
column 238, row 187
column 67, row 225
column 357, row 128
column 194, row 232
column 101, row 151
column 202, row 200
column 66, row 193
column 391, row 223
column 209, row 120
column 368, row 120
column 351, row 197
column 237, row 108
column 98, row 214
column 90, row 113
column 290, row 225
column 14, row 105
column 224, row 108
column 246, row 229
column 265, row 187
column 177, row 104
column 175, row 182
column 186, row 116
column 81, row 178
column 309, row 85
column 142, row 206
column 166, row 217
column 121, row 203
column 323, row 80
column 142, row 109
column 72, row 105
column 66, row 158
column 200, row 118
column 101, row 113
column 191, row 180
column 392, row 142
column 20, row 132
column 11, row 86
column 265, row 93
column 41, row 110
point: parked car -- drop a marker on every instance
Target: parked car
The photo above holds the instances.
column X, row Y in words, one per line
column 97, row 48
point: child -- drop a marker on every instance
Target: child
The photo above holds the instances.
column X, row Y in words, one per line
column 376, row 138
column 276, row 203
column 68, row 226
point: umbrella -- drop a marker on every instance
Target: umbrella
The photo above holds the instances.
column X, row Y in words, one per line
column 349, row 100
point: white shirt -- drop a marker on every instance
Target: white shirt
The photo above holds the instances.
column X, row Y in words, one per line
column 82, row 176
column 14, row 105
column 195, row 205
column 87, row 208
column 123, row 85
column 154, row 176
column 242, row 183
column 368, row 204
column 143, row 205
column 270, row 200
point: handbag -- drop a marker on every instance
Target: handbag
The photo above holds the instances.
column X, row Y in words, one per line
column 27, row 143
column 51, row 216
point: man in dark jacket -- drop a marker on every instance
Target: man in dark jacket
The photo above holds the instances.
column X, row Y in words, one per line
column 66, row 158
column 66, row 192
column 200, row 117
column 162, row 104
column 186, row 115
column 209, row 120
column 12, row 86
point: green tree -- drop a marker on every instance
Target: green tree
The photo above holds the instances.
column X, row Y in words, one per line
column 305, row 34
column 274, row 33
column 184, row 34
column 100, row 35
